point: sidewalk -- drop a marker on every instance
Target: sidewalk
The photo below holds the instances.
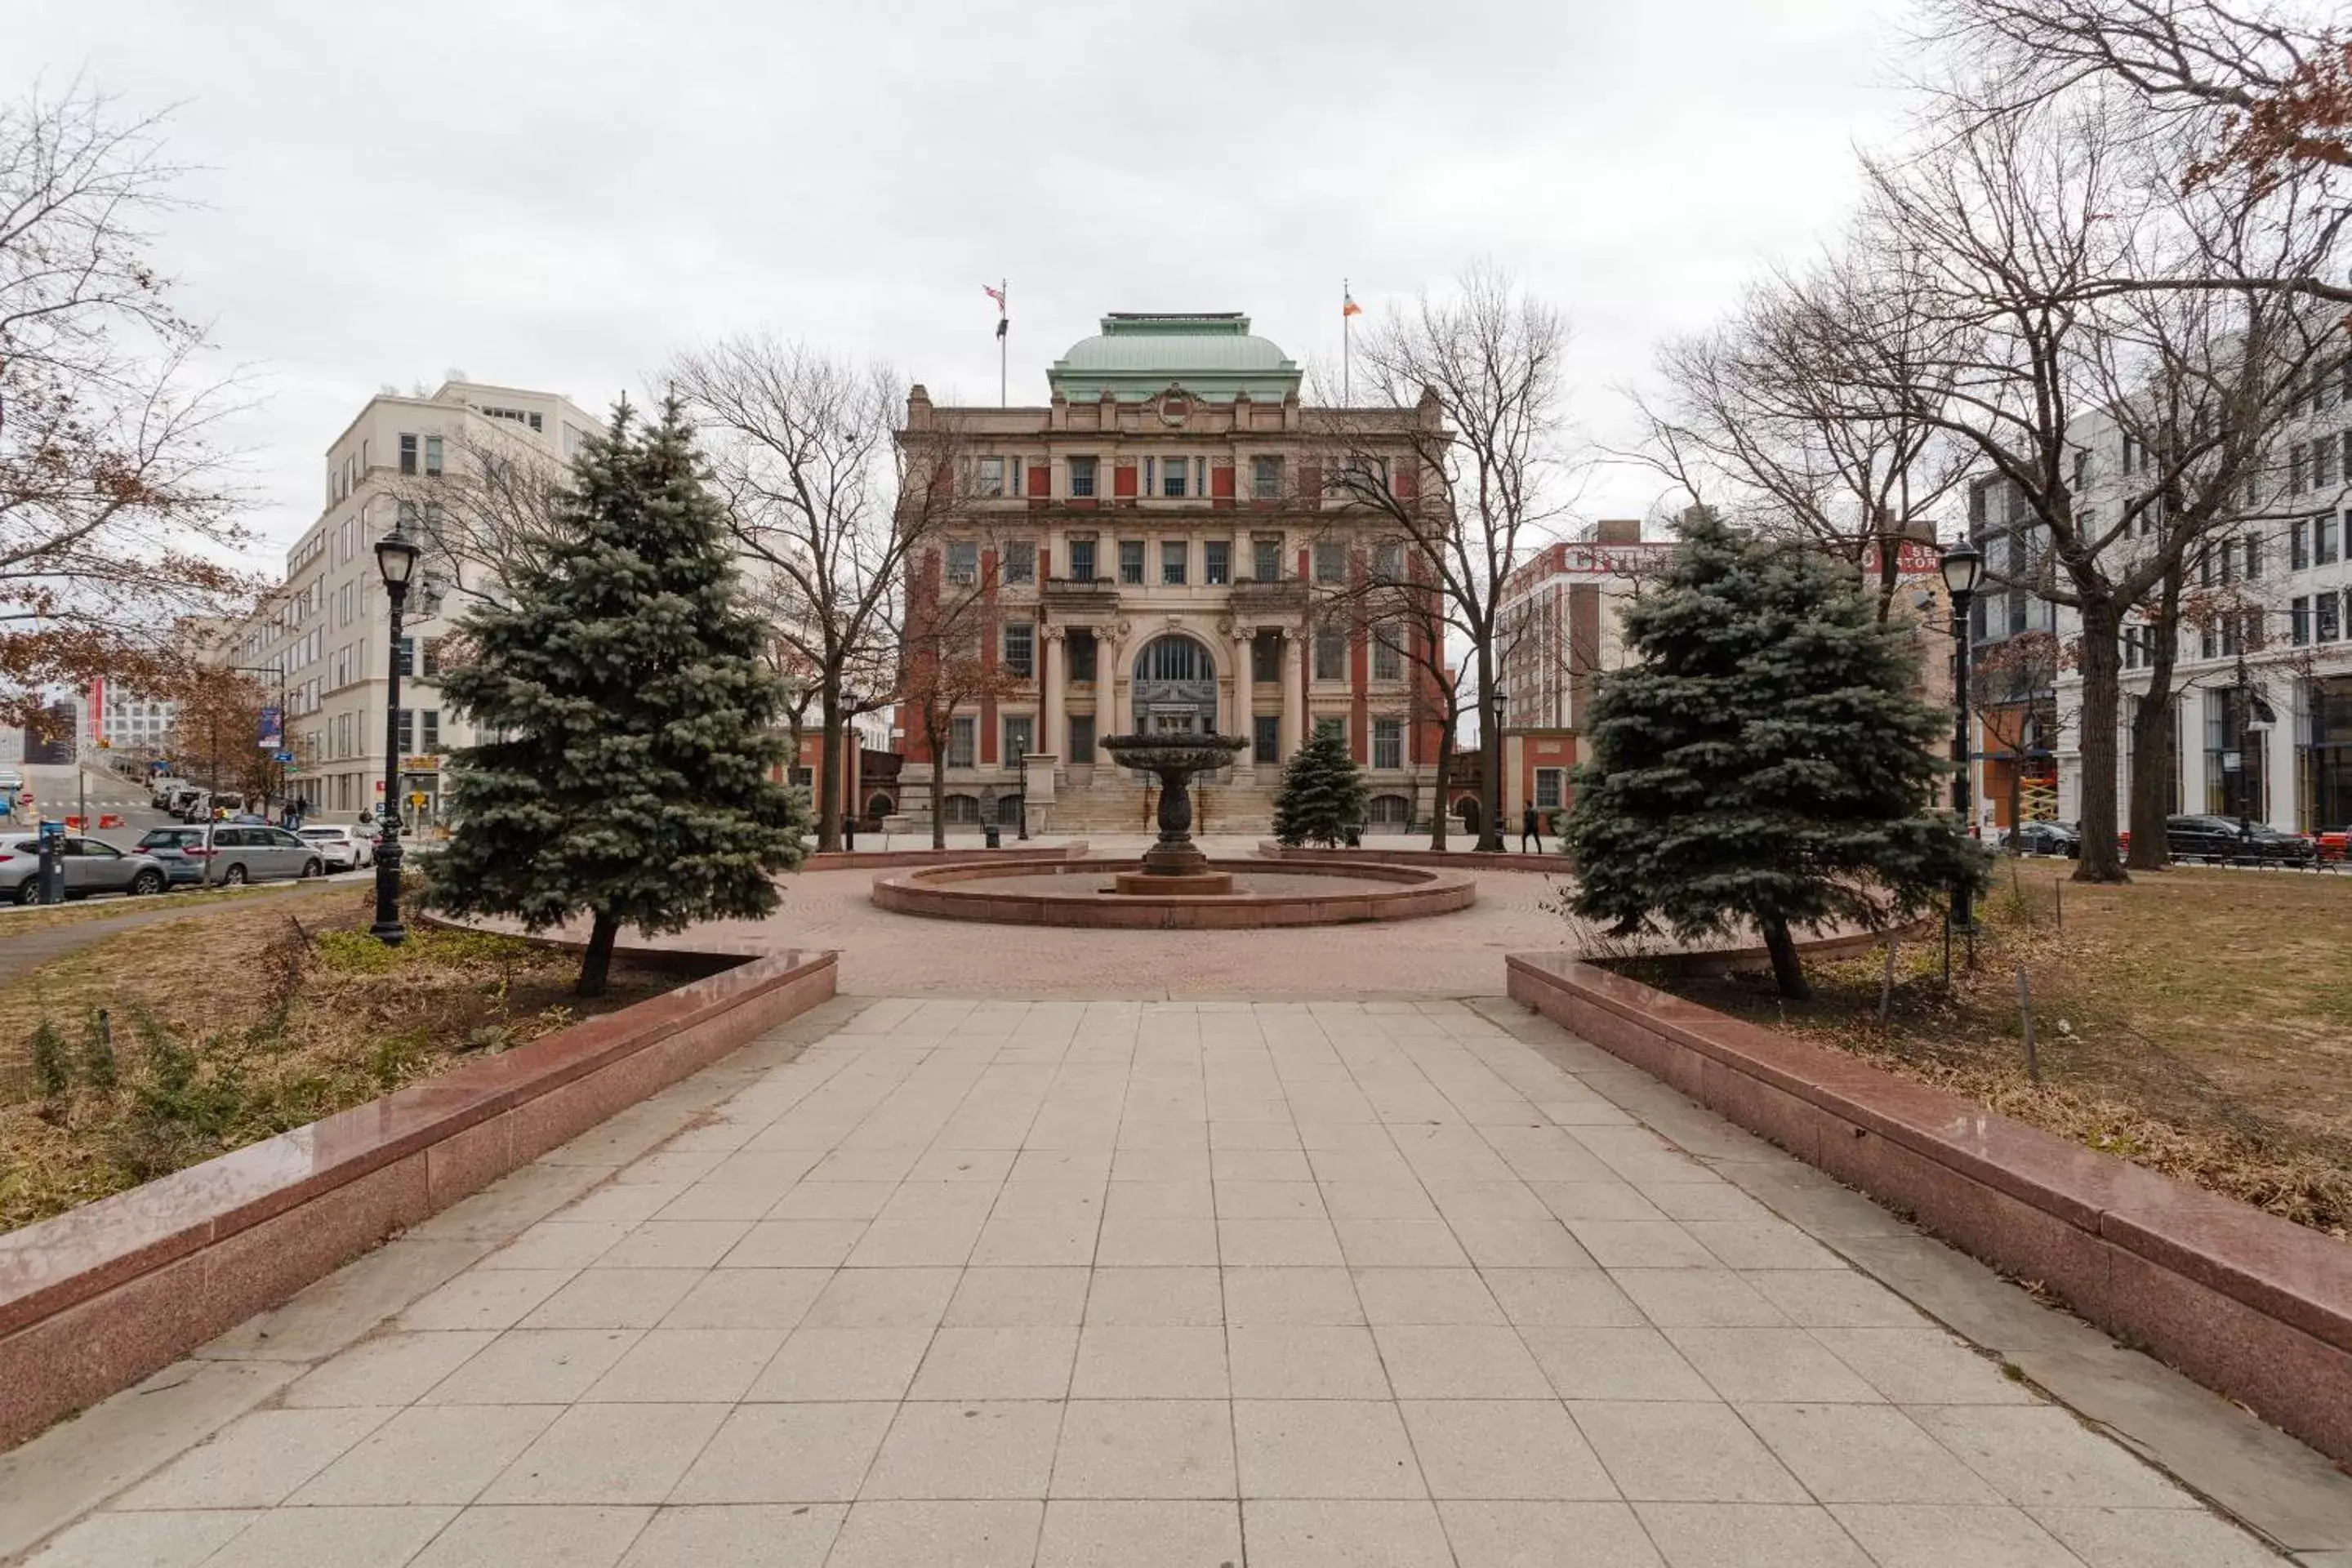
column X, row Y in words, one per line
column 1004, row 1284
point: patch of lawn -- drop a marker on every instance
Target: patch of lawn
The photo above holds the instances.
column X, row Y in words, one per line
column 225, row 1030
column 2197, row 1021
column 16, row 919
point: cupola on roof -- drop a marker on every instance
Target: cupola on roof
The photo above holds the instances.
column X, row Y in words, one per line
column 1137, row 355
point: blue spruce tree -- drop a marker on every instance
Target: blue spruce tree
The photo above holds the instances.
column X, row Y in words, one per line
column 630, row 723
column 1767, row 759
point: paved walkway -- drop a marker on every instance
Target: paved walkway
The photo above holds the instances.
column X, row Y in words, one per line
column 1120, row 1285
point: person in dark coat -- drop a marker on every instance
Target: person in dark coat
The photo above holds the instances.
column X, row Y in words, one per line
column 1530, row 827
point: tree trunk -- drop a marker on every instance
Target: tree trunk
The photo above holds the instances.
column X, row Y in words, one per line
column 2156, row 739
column 596, row 963
column 829, row 784
column 938, row 791
column 1788, row 974
column 2101, row 861
column 1490, row 754
column 1443, row 782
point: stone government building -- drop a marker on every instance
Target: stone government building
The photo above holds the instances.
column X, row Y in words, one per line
column 1159, row 553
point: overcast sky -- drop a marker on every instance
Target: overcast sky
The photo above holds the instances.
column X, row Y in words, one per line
column 554, row 193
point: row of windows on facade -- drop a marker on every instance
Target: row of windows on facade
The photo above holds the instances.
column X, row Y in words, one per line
column 1019, row 651
column 1018, row 732
column 1017, row 561
column 2311, row 542
column 1165, row 479
column 2311, row 619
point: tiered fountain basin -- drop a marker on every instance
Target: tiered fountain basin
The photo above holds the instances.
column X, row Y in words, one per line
column 1108, row 895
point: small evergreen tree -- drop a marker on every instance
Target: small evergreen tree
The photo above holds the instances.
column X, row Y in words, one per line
column 1322, row 798
column 630, row 724
column 1767, row 759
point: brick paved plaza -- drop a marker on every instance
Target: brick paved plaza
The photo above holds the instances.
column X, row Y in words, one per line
column 1155, row 1285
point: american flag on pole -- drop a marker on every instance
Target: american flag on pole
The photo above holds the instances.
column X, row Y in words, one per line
column 1003, row 316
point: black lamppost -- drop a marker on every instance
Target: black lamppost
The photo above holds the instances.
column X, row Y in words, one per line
column 1963, row 566
column 395, row 557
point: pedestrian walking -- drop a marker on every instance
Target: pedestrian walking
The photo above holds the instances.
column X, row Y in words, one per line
column 848, row 831
column 1530, row 827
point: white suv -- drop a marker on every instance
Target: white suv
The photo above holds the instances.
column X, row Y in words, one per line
column 344, row 848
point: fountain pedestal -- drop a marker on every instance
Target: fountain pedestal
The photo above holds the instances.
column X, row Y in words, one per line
column 1175, row 864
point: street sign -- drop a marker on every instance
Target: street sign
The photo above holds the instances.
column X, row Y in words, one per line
column 53, row 829
column 284, row 757
column 291, row 770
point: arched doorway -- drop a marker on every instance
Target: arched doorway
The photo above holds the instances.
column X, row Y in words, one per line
column 1175, row 687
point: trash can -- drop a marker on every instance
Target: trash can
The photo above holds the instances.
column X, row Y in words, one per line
column 991, row 838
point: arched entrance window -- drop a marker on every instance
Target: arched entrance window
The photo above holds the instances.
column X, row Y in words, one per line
column 1175, row 687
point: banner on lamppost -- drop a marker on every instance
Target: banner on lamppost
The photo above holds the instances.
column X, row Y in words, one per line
column 273, row 729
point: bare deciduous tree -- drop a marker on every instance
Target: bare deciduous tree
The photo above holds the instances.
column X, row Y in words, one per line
column 115, row 518
column 826, row 502
column 1478, row 480
column 945, row 662
column 492, row 508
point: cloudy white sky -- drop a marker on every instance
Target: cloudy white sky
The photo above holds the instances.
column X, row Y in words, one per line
column 556, row 192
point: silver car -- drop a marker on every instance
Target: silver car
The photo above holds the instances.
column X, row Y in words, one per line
column 238, row 852
column 89, row 867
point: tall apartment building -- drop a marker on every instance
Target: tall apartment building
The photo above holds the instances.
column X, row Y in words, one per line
column 2264, row 670
column 2015, row 724
column 1157, row 540
column 324, row 636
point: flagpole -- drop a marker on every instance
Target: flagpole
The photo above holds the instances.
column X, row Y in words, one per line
column 1004, row 319
column 1347, row 343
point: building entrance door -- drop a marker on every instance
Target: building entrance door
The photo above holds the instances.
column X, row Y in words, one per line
column 1175, row 687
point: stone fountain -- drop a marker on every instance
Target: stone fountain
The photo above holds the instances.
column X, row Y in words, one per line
column 1175, row 864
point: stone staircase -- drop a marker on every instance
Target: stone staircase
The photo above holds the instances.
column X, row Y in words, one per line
column 1115, row 802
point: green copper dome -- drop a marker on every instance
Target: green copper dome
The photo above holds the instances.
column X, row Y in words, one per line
column 1137, row 356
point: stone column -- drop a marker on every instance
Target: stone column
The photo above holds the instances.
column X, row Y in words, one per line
column 1055, row 737
column 1244, row 722
column 1294, row 705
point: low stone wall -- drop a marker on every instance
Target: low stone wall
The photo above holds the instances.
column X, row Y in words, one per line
column 884, row 859
column 1371, row 855
column 95, row 1300
column 2248, row 1304
column 1359, row 893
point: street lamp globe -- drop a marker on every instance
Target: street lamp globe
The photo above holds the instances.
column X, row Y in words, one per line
column 1963, row 568
column 395, row 557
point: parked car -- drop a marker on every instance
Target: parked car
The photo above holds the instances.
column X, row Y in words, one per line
column 243, row 853
column 89, row 867
column 170, row 847
column 346, row 848
column 2197, row 836
column 162, row 792
column 2043, row 839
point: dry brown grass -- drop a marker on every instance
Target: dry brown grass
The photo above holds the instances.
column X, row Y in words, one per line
column 16, row 919
column 2207, row 1025
column 231, row 1027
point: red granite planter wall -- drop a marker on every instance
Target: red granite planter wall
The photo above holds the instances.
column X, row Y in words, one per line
column 95, row 1300
column 884, row 859
column 2248, row 1304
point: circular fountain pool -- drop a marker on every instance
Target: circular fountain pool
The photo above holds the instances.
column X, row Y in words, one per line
column 1102, row 894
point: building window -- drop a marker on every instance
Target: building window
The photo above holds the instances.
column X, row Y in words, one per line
column 2322, row 464
column 1020, row 560
column 1216, row 563
column 963, row 740
column 1266, row 738
column 429, row 724
column 1130, row 561
column 1020, row 649
column 406, row 723
column 407, row 454
column 1331, row 729
column 1171, row 477
column 1388, row 742
column 1331, row 561
column 988, row 478
column 1082, row 476
column 1331, row 653
column 1548, row 788
column 1082, row 560
column 1265, row 559
column 960, row 810
column 1388, row 659
column 1388, row 563
column 1266, row 478
column 1081, row 738
column 2298, row 618
column 407, row 657
column 963, row 563
column 433, row 455
column 2326, row 628
column 2298, row 546
column 2323, row 539
column 1019, row 738
column 2253, row 556
column 1081, row 655
column 1172, row 561
column 2131, row 453
column 1266, row 658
